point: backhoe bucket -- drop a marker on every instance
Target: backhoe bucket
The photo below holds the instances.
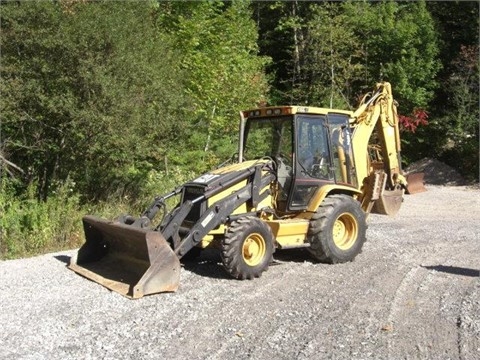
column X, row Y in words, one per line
column 131, row 261
column 415, row 183
column 388, row 203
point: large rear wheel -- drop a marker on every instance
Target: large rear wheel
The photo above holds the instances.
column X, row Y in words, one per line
column 247, row 248
column 337, row 230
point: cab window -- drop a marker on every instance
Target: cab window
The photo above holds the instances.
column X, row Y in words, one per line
column 312, row 148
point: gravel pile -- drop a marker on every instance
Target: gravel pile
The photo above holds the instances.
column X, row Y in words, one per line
column 436, row 172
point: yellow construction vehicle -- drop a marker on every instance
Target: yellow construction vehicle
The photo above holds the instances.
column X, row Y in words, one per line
column 304, row 177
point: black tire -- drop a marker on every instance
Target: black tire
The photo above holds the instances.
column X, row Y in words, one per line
column 337, row 230
column 247, row 248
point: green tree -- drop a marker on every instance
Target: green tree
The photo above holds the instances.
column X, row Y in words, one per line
column 332, row 58
column 404, row 51
column 90, row 92
column 282, row 36
column 339, row 49
column 459, row 127
column 453, row 133
column 224, row 74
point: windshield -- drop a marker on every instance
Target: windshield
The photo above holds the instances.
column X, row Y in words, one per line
column 268, row 137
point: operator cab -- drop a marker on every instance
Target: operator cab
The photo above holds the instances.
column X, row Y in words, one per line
column 310, row 146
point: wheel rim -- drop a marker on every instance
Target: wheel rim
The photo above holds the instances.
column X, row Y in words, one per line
column 254, row 249
column 345, row 231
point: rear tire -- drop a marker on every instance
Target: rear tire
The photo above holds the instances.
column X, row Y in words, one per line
column 247, row 248
column 337, row 230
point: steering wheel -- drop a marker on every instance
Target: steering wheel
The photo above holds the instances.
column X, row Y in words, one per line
column 319, row 167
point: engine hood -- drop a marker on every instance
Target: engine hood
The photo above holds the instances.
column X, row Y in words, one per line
column 217, row 177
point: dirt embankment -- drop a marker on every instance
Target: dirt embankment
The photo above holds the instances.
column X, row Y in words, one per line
column 413, row 293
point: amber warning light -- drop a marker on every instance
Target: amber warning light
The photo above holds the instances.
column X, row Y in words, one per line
column 268, row 112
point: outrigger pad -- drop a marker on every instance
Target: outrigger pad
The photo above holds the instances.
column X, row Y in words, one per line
column 415, row 183
column 130, row 261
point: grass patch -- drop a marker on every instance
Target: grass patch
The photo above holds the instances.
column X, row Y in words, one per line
column 29, row 226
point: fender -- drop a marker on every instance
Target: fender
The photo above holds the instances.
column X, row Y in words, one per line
column 324, row 191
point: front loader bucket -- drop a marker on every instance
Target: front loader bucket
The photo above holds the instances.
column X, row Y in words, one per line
column 415, row 183
column 131, row 261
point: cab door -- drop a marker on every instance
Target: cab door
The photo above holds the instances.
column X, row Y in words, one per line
column 313, row 161
column 342, row 159
column 323, row 155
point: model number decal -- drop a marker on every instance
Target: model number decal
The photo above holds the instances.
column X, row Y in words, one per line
column 205, row 178
column 207, row 219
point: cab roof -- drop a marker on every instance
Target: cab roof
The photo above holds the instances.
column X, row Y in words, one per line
column 290, row 110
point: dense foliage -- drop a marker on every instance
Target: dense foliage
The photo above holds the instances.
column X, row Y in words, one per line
column 104, row 104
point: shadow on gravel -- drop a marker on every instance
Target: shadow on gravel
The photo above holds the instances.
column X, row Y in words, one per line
column 299, row 255
column 209, row 263
column 63, row 258
column 455, row 270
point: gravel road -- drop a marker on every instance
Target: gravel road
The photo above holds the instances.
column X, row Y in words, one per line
column 413, row 293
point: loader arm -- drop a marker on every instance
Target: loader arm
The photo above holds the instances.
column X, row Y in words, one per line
column 217, row 214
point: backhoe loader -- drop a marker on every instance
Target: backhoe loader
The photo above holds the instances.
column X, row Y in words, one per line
column 303, row 177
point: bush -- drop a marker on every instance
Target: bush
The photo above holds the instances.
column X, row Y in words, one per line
column 29, row 226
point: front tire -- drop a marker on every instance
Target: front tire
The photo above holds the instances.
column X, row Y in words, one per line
column 247, row 248
column 337, row 230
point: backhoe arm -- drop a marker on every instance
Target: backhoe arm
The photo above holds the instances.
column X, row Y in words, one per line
column 378, row 112
column 381, row 181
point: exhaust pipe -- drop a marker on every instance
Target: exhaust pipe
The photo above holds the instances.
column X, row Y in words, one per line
column 128, row 260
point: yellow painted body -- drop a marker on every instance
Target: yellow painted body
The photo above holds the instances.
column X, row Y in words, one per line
column 378, row 113
column 242, row 209
column 323, row 192
column 289, row 232
column 382, row 115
